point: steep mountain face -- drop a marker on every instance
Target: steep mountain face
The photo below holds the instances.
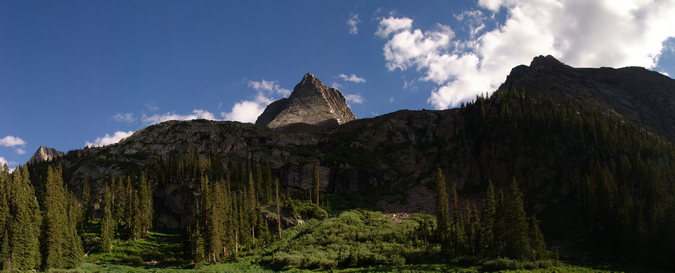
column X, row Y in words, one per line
column 644, row 97
column 311, row 102
column 44, row 154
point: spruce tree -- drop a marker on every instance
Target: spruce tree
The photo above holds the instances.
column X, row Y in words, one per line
column 516, row 226
column 486, row 247
column 25, row 245
column 55, row 221
column 538, row 244
column 146, row 205
column 107, row 223
column 442, row 213
column 74, row 254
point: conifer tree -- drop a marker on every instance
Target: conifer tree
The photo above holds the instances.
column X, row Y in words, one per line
column 442, row 213
column 276, row 182
column 5, row 220
column 488, row 222
column 515, row 224
column 25, row 246
column 107, row 223
column 55, row 221
column 74, row 254
column 538, row 244
column 315, row 183
column 86, row 204
column 146, row 205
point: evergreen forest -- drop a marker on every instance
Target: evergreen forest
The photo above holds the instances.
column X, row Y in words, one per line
column 595, row 190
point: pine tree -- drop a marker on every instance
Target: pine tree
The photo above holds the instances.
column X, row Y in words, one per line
column 442, row 213
column 74, row 254
column 55, row 221
column 516, row 226
column 25, row 245
column 146, row 205
column 107, row 223
column 538, row 244
column 488, row 222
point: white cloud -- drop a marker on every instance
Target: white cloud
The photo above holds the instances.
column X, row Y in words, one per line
column 10, row 164
column 391, row 24
column 352, row 22
column 355, row 98
column 249, row 110
column 336, row 85
column 196, row 114
column 269, row 87
column 10, row 141
column 577, row 32
column 128, row 117
column 391, row 100
column 352, row 78
column 108, row 139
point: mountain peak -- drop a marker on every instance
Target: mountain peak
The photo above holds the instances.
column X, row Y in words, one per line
column 44, row 154
column 311, row 102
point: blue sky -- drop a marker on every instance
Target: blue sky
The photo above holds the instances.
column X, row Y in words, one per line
column 76, row 73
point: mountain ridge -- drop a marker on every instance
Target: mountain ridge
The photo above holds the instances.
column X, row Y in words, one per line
column 644, row 97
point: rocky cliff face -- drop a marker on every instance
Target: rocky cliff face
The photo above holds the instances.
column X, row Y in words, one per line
column 311, row 102
column 644, row 97
column 44, row 154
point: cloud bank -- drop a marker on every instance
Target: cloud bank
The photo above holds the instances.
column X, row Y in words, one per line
column 108, row 139
column 577, row 32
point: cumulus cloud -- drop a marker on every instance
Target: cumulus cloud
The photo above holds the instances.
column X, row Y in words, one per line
column 336, row 85
column 352, row 78
column 108, row 139
column 391, row 100
column 249, row 110
column 352, row 22
column 355, row 98
column 127, row 117
column 11, row 141
column 196, row 114
column 579, row 33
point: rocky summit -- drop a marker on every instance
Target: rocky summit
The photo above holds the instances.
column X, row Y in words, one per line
column 311, row 102
column 644, row 97
column 44, row 154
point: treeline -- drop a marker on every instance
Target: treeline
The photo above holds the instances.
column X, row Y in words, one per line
column 622, row 177
column 38, row 232
column 127, row 209
column 502, row 229
column 230, row 215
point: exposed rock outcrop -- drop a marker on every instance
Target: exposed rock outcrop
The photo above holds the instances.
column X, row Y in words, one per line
column 44, row 154
column 644, row 97
column 311, row 102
